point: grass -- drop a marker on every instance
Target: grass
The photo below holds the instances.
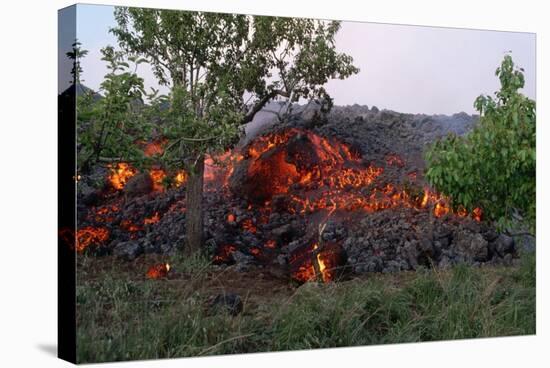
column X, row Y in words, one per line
column 122, row 317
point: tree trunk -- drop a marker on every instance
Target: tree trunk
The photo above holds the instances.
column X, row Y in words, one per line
column 194, row 214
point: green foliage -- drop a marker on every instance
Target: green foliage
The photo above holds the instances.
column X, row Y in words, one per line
column 110, row 126
column 214, row 61
column 494, row 166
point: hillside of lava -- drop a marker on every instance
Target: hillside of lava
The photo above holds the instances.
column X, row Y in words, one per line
column 305, row 201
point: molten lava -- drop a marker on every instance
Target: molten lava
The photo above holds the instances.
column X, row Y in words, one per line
column 317, row 173
column 90, row 236
column 157, row 176
column 120, row 174
column 180, row 178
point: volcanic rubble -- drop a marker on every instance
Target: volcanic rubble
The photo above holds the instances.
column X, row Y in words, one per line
column 311, row 197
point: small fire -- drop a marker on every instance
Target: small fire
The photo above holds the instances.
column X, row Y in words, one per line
column 306, row 271
column 231, row 218
column 158, row 271
column 120, row 174
column 322, row 266
column 441, row 209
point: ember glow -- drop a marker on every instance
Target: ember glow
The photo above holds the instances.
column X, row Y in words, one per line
column 158, row 271
column 477, row 214
column 218, row 169
column 129, row 226
column 154, row 148
column 89, row 235
column 180, row 178
column 224, row 253
column 120, row 174
column 106, row 213
column 157, row 176
column 152, row 220
column 249, row 226
column 395, row 160
column 271, row 244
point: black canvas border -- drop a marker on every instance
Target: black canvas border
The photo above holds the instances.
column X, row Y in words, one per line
column 66, row 194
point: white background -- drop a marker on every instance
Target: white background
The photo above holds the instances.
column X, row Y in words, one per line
column 28, row 144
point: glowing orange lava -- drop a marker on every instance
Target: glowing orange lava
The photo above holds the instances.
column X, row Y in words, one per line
column 152, row 220
column 271, row 244
column 90, row 236
column 180, row 178
column 120, row 174
column 157, row 176
column 329, row 175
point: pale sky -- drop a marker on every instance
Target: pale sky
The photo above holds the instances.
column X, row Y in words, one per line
column 411, row 69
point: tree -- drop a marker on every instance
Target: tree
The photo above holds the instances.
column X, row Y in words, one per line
column 494, row 166
column 75, row 55
column 212, row 62
column 112, row 125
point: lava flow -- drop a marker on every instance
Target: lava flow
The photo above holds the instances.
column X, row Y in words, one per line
column 120, row 174
column 316, row 173
column 293, row 174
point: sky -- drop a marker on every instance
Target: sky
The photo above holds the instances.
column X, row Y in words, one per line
column 411, row 69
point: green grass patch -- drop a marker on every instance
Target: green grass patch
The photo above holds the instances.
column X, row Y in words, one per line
column 120, row 319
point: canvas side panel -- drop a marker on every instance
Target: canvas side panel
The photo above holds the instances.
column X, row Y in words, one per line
column 66, row 179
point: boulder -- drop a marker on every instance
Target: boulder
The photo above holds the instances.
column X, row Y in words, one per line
column 504, row 244
column 129, row 250
column 472, row 247
column 138, row 185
